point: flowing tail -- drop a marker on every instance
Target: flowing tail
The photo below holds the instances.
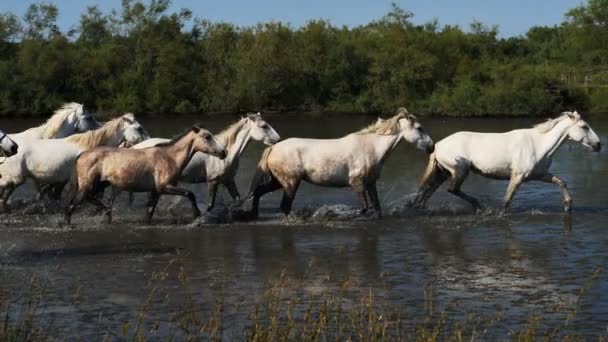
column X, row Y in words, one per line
column 432, row 179
column 262, row 175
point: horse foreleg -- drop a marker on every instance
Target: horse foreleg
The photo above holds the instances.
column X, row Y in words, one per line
column 514, row 184
column 373, row 196
column 212, row 193
column 42, row 190
column 174, row 190
column 550, row 178
column 359, row 189
column 114, row 193
column 289, row 193
column 151, row 205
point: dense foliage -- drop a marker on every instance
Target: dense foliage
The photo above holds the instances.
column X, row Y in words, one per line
column 142, row 58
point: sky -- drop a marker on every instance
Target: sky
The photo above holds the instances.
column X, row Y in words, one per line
column 513, row 17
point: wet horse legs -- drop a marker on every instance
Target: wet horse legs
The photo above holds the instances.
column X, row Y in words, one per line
column 550, row 178
column 174, row 190
column 458, row 178
column 373, row 196
column 289, row 193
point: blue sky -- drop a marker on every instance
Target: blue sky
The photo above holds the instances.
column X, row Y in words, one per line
column 514, row 17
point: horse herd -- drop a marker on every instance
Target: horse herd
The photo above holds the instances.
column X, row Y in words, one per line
column 75, row 158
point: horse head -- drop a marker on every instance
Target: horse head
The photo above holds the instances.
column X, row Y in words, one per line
column 133, row 131
column 205, row 142
column 581, row 132
column 412, row 131
column 260, row 130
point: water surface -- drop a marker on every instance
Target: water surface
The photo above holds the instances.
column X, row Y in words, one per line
column 533, row 261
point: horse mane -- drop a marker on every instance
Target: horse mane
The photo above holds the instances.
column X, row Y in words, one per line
column 228, row 136
column 53, row 124
column 546, row 126
column 177, row 137
column 97, row 137
column 388, row 126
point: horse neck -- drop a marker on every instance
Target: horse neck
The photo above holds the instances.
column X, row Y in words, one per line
column 238, row 147
column 550, row 141
column 385, row 144
column 182, row 152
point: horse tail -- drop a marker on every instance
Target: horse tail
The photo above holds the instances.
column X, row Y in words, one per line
column 432, row 179
column 263, row 175
column 71, row 188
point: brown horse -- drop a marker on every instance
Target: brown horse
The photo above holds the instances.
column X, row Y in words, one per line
column 154, row 169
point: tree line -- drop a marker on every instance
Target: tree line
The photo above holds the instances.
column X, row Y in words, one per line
column 146, row 59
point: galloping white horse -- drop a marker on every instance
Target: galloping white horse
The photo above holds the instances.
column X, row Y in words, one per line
column 51, row 161
column 353, row 161
column 69, row 119
column 518, row 156
column 215, row 171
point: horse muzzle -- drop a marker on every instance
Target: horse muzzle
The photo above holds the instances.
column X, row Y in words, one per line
column 14, row 150
column 222, row 154
column 597, row 147
column 430, row 149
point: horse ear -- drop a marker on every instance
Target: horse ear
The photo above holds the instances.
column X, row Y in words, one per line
column 571, row 115
column 196, row 129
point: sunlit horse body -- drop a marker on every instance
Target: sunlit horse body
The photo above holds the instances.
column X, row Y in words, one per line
column 353, row 161
column 51, row 161
column 518, row 156
column 215, row 171
column 154, row 169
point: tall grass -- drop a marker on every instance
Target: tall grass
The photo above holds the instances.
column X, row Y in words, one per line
column 284, row 311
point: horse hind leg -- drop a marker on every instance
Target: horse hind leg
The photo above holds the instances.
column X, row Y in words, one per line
column 289, row 193
column 260, row 191
column 458, row 176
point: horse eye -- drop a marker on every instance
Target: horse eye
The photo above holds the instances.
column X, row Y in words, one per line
column 264, row 126
column 586, row 128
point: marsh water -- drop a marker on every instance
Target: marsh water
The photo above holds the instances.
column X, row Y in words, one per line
column 535, row 261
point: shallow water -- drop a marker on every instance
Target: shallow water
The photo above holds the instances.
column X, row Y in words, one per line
column 533, row 261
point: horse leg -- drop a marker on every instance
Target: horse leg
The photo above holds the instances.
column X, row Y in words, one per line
column 212, row 193
column 42, row 190
column 114, row 193
column 233, row 190
column 174, row 190
column 151, row 205
column 131, row 198
column 458, row 177
column 373, row 196
column 550, row 178
column 514, row 184
column 289, row 193
column 359, row 189
column 259, row 192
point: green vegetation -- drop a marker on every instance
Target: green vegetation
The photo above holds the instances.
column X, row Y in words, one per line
column 144, row 59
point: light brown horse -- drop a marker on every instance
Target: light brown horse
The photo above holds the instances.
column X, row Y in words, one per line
column 154, row 169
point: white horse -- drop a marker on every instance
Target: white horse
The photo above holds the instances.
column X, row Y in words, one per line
column 518, row 156
column 51, row 161
column 215, row 171
column 69, row 119
column 353, row 161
